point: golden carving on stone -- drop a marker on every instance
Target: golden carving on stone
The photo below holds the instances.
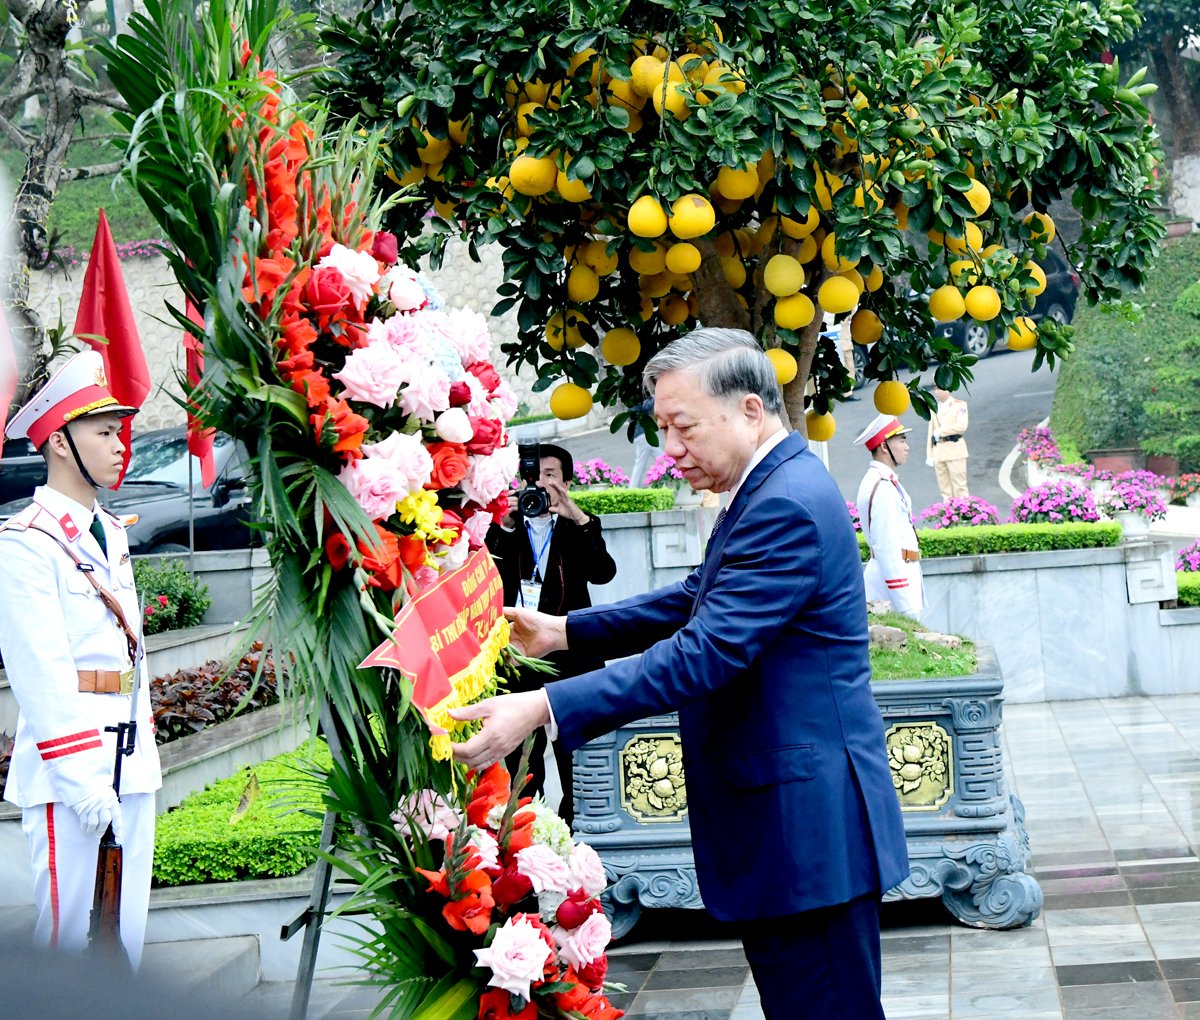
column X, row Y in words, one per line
column 651, row 776
column 921, row 763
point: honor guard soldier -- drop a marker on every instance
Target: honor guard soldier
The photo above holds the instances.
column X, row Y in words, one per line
column 946, row 444
column 73, row 659
column 885, row 512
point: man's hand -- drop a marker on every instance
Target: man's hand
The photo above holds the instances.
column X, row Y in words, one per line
column 536, row 633
column 507, row 721
column 97, row 811
column 561, row 502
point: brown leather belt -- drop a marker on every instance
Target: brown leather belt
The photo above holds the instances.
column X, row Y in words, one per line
column 105, row 681
column 909, row 555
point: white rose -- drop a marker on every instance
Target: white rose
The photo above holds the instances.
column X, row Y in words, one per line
column 454, row 426
column 358, row 268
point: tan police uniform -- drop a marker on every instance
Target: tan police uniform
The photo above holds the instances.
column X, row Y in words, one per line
column 946, row 447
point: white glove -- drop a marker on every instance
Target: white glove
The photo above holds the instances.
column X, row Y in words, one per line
column 929, row 462
column 97, row 811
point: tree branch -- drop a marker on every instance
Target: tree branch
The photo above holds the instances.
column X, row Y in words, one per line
column 83, row 173
column 94, row 98
column 14, row 134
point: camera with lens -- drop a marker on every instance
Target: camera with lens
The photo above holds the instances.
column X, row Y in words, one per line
column 532, row 501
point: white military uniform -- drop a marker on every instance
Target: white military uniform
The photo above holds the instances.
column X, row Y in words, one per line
column 58, row 639
column 885, row 514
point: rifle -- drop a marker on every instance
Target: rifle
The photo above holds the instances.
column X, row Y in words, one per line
column 104, row 928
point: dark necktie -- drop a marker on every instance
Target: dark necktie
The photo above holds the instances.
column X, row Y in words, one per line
column 718, row 522
column 97, row 530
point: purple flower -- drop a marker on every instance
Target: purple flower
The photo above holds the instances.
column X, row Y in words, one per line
column 1050, row 501
column 597, row 472
column 663, row 473
column 852, row 508
column 1130, row 497
column 959, row 510
column 1189, row 558
column 1038, row 445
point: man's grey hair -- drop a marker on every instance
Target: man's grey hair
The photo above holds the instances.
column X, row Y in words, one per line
column 729, row 363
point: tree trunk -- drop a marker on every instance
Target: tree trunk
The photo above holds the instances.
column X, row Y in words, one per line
column 1175, row 88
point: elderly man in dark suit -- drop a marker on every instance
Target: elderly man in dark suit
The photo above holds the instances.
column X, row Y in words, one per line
column 763, row 650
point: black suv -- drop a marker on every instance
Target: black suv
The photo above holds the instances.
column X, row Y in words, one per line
column 156, row 490
column 1057, row 302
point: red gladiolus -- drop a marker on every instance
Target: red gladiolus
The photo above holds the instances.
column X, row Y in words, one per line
column 452, row 522
column 487, row 435
column 496, row 1004
column 437, row 881
column 492, row 789
column 522, row 831
column 472, row 910
column 347, row 427
column 576, row 909
column 337, row 550
column 266, row 278
column 413, row 553
column 313, row 385
column 599, row 1008
column 575, row 998
column 460, row 394
column 485, row 373
column 382, row 561
column 450, row 463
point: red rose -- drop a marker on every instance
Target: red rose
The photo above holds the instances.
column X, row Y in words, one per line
column 149, row 611
column 450, row 464
column 576, row 909
column 498, row 507
column 511, row 887
column 386, row 248
column 488, row 434
column 460, row 394
column 337, row 549
column 496, row 1004
column 162, row 601
column 326, row 293
column 593, row 974
column 485, row 373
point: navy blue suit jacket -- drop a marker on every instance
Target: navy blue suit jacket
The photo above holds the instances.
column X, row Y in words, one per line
column 763, row 652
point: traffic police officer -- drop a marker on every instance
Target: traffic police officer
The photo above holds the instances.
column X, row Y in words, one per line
column 71, row 665
column 946, row 444
column 885, row 513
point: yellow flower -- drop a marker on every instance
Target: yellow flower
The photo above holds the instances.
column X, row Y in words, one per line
column 421, row 512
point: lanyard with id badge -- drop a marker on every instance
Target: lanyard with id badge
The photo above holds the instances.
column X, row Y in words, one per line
column 531, row 590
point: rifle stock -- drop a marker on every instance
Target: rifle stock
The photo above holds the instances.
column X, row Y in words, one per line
column 104, row 929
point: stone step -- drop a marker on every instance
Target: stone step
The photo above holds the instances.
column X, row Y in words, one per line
column 330, row 999
column 224, row 969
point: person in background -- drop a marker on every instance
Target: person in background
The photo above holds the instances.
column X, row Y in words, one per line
column 72, row 663
column 547, row 563
column 893, row 572
column 946, row 444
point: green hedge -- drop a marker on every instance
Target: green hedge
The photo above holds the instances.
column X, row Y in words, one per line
column 187, row 600
column 623, row 501
column 274, row 837
column 1189, row 588
column 977, row 540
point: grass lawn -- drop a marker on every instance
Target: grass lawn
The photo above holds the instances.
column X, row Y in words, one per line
column 918, row 660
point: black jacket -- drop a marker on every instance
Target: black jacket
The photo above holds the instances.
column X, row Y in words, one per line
column 577, row 557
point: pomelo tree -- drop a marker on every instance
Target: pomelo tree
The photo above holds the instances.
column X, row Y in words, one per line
column 777, row 166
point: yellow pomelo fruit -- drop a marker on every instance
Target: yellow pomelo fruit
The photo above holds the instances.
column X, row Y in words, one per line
column 623, row 94
column 785, row 365
column 587, row 56
column 596, row 255
column 412, row 175
column 683, row 258
column 1041, row 227
column 737, row 184
column 972, row 240
column 837, row 295
column 620, row 346
column 979, row 197
column 892, row 398
column 460, row 130
column 434, row 171
column 524, row 128
column 801, row 228
column 671, row 97
column 557, row 334
column 766, row 231
column 865, row 327
column 647, row 74
column 1023, row 334
column 1039, row 278
column 874, row 194
column 582, row 284
column 570, row 401
column 692, row 216
column 434, row 150
column 734, row 270
column 571, row 191
column 726, row 77
column 825, row 187
column 855, row 277
column 820, row 427
column 533, row 175
column 647, row 218
column 445, row 209
column 834, row 262
column 794, row 312
column 783, row 275
column 901, row 211
column 874, row 279
column 725, row 244
column 673, row 310
column 946, row 304
column 965, row 272
column 691, row 67
column 648, row 263
column 807, row 251
column 658, row 285
column 982, row 302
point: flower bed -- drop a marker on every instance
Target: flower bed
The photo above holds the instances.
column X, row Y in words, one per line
column 1039, row 446
column 981, row 539
column 959, row 511
column 1053, row 502
column 1184, row 486
column 1132, row 498
column 173, row 597
column 624, row 501
column 599, row 473
column 1188, row 559
column 1189, row 589
column 191, row 700
column 663, row 473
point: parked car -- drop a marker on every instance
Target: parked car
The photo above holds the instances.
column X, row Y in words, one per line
column 1057, row 302
column 22, row 469
column 155, row 489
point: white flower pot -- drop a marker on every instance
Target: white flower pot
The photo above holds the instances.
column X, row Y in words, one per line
column 1134, row 527
column 1192, row 500
column 1034, row 473
column 1099, row 487
column 685, row 495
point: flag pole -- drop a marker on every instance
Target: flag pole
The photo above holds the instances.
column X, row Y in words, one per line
column 191, row 517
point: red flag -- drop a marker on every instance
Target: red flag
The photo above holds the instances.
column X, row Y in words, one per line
column 104, row 310
column 200, row 439
column 8, row 372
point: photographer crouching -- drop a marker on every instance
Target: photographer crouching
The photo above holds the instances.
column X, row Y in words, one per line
column 547, row 551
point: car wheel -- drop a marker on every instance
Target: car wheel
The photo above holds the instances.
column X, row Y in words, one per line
column 860, row 366
column 977, row 340
column 1058, row 314
column 167, row 548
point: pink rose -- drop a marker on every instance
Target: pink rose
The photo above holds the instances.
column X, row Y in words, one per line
column 585, row 943
column 544, row 868
column 503, row 401
column 487, row 477
column 477, row 526
column 407, row 456
column 486, row 374
column 587, row 870
column 486, row 435
column 405, row 290
column 376, row 485
column 517, row 957
column 427, row 393
column 468, row 334
column 424, row 576
column 373, row 374
column 359, row 270
column 427, row 812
